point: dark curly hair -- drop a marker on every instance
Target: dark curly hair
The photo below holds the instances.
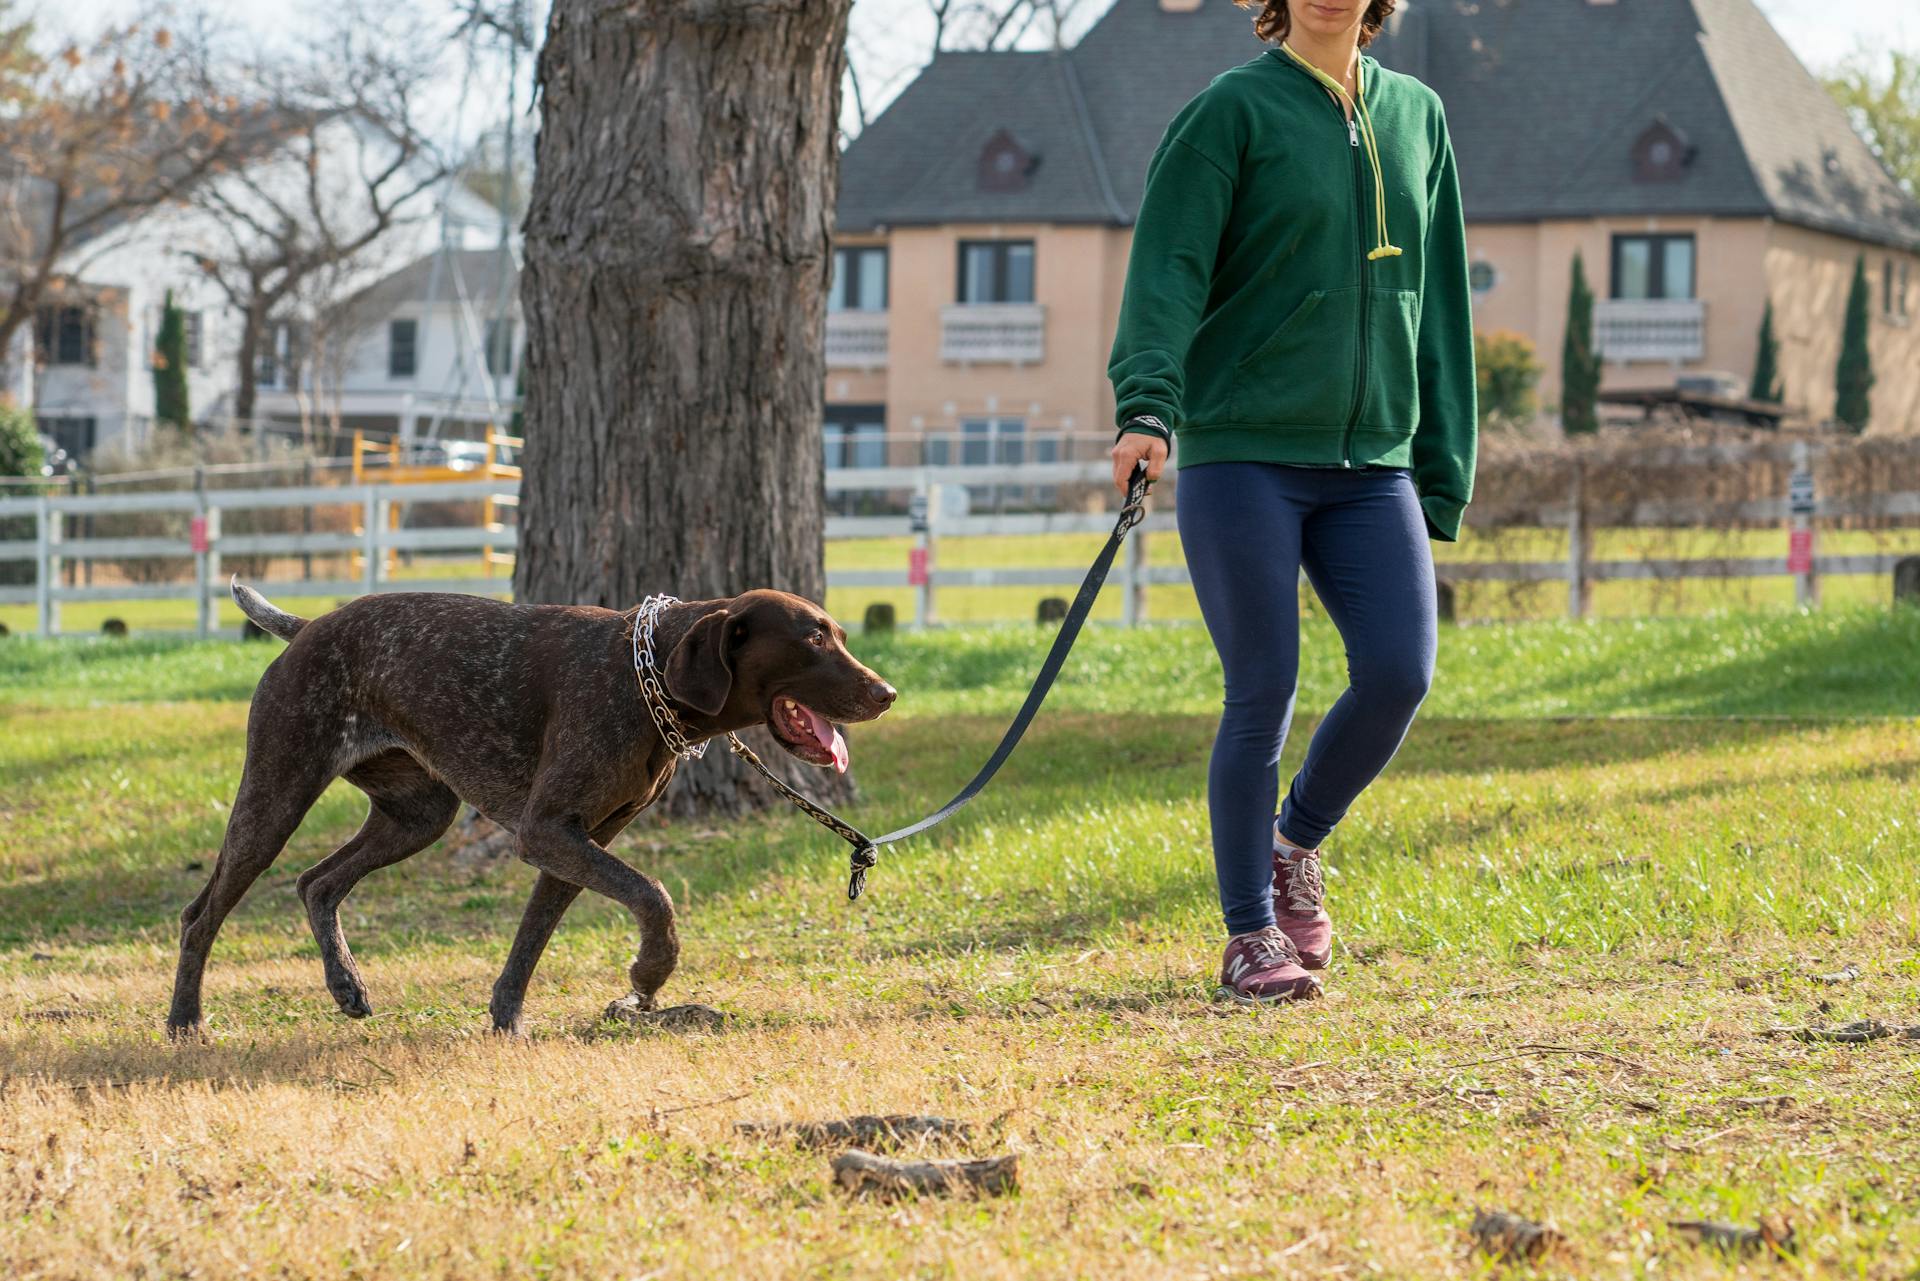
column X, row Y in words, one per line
column 1271, row 19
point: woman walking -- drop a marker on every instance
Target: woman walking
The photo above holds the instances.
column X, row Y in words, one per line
column 1297, row 313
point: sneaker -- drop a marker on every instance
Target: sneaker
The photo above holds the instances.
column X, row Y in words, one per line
column 1299, row 903
column 1262, row 968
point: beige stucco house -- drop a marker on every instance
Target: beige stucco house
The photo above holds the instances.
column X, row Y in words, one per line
column 1678, row 145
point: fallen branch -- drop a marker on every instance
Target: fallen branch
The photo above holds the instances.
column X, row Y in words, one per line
column 1773, row 1235
column 860, row 1131
column 630, row 1010
column 1529, row 1050
column 1509, row 1236
column 1847, row 1033
column 860, row 1172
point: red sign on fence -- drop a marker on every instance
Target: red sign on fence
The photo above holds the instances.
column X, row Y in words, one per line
column 197, row 534
column 1800, row 551
column 917, row 566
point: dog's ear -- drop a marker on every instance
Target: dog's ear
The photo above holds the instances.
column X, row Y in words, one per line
column 700, row 671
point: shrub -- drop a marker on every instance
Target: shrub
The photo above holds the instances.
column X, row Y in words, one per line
column 1579, row 362
column 1853, row 380
column 20, row 455
column 1508, row 371
column 173, row 451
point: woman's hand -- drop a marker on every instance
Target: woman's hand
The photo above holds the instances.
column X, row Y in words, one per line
column 1130, row 449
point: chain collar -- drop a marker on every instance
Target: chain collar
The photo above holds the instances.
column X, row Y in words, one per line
column 647, row 670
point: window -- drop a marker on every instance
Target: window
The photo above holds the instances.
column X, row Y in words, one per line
column 856, row 436
column 196, row 334
column 65, row 335
column 1905, row 285
column 75, row 435
column 996, row 271
column 1893, row 290
column 1481, row 277
column 499, row 347
column 1653, row 266
column 985, row 441
column 401, row 339
column 859, row 279
column 280, row 353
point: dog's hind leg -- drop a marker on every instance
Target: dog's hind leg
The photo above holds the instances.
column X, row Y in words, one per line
column 274, row 796
column 409, row 810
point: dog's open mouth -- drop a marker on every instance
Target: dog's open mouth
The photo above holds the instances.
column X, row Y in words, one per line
column 807, row 734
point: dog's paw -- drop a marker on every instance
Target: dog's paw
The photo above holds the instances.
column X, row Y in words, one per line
column 187, row 1033
column 636, row 1011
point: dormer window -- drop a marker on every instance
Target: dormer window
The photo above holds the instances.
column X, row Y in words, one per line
column 1005, row 165
column 1661, row 154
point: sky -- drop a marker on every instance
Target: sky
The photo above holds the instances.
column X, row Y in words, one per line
column 890, row 37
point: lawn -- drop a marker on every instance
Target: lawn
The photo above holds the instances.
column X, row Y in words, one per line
column 1609, row 859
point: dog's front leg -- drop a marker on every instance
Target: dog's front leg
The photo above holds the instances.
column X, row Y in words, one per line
column 561, row 849
column 551, row 899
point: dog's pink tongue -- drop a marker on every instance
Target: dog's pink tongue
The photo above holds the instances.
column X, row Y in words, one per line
column 828, row 735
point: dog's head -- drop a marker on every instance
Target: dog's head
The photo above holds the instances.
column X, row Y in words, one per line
column 774, row 658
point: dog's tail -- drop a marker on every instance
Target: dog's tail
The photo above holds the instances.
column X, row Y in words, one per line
column 267, row 616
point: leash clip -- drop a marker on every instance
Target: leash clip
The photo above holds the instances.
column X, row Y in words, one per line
column 862, row 860
column 1135, row 509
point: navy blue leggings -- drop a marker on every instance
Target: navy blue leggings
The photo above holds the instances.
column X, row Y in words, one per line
column 1248, row 529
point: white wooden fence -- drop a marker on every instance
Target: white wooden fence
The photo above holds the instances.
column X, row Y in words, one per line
column 927, row 525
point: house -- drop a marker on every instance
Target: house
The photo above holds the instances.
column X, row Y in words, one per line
column 433, row 349
column 1678, row 145
column 93, row 343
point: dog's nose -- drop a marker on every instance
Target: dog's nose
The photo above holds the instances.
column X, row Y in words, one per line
column 882, row 693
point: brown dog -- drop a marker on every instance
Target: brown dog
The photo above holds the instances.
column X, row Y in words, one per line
column 530, row 713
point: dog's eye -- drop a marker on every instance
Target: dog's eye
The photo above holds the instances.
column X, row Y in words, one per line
column 817, row 637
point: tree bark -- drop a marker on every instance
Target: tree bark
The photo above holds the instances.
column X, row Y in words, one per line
column 677, row 259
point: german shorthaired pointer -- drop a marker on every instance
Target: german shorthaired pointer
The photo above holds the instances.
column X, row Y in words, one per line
column 530, row 713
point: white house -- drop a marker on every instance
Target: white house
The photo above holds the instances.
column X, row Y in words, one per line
column 432, row 350
column 94, row 384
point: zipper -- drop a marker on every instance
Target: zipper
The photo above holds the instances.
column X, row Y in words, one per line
column 1360, row 258
column 1360, row 252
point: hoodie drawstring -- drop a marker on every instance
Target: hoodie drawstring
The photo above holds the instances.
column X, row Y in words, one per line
column 1385, row 248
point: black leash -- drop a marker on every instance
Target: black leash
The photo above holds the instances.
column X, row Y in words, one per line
column 866, row 850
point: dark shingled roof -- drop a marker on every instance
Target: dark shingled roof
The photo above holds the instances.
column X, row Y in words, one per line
column 1544, row 101
column 479, row 272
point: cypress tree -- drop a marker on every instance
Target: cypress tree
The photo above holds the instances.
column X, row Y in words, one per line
column 170, row 367
column 1766, row 362
column 1853, row 380
column 1579, row 362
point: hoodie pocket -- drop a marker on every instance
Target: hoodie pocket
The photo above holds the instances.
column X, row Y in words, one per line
column 1393, row 382
column 1304, row 372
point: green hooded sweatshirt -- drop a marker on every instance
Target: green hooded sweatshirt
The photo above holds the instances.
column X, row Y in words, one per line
column 1278, row 310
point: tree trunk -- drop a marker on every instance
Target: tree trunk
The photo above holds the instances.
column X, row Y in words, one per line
column 677, row 259
column 253, row 327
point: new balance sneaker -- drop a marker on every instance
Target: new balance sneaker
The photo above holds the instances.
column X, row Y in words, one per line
column 1263, row 968
column 1299, row 902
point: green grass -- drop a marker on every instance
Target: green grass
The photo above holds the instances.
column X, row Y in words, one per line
column 1607, row 860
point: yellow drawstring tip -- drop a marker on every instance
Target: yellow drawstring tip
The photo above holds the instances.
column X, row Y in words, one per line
column 1384, row 251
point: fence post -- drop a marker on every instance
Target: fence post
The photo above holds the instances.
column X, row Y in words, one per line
column 371, row 553
column 920, row 559
column 1578, row 544
column 1133, row 605
column 198, row 530
column 45, row 618
column 1800, row 502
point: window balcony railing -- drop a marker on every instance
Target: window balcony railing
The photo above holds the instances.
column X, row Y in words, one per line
column 1668, row 329
column 997, row 333
column 856, row 340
